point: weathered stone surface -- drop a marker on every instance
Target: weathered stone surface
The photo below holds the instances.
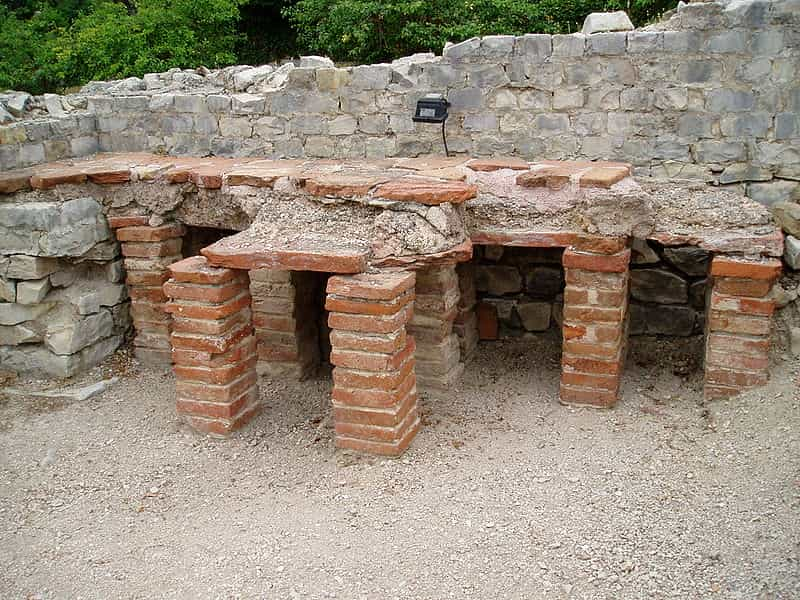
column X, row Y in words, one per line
column 642, row 253
column 498, row 280
column 430, row 192
column 21, row 266
column 534, row 316
column 12, row 313
column 697, row 294
column 787, row 214
column 8, row 290
column 690, row 260
column 775, row 191
column 654, row 319
column 38, row 359
column 32, row 291
column 544, row 282
column 70, row 228
column 18, row 334
column 656, row 285
column 791, row 252
column 67, row 334
column 608, row 21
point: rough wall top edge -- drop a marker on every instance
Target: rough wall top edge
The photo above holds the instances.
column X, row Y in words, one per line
column 710, row 93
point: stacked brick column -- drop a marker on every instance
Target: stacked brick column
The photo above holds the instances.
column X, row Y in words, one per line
column 148, row 251
column 285, row 312
column 738, row 320
column 374, row 384
column 595, row 327
column 466, row 323
column 436, row 307
column 213, row 347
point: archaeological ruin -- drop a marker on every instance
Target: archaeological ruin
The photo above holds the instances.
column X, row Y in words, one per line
column 257, row 222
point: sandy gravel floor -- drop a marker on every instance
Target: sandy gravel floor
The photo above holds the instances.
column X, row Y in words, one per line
column 504, row 494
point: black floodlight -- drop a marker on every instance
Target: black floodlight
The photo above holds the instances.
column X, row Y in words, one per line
column 432, row 108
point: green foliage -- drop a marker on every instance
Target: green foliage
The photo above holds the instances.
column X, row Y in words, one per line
column 49, row 45
column 69, row 43
column 374, row 30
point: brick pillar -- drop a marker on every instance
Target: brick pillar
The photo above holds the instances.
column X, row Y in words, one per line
column 213, row 348
column 374, row 384
column 435, row 311
column 738, row 320
column 148, row 251
column 466, row 323
column 285, row 311
column 595, row 327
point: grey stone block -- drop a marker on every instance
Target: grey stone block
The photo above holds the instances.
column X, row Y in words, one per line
column 67, row 335
column 534, row 316
column 496, row 47
column 236, row 127
column 20, row 266
column 442, row 75
column 535, row 47
column 728, row 100
column 13, row 313
column 112, row 124
column 728, row 42
column 373, row 124
column 659, row 319
column 247, row 104
column 791, row 252
column 548, row 125
column 485, row 76
column 659, row 286
column 342, row 125
column 307, row 124
column 775, row 191
column 37, row 359
column 161, row 102
column 32, row 291
column 643, row 42
column 690, row 260
column 14, row 335
column 270, row 127
column 671, row 98
column 470, row 98
column 319, row 146
column 190, row 103
column 498, row 280
column 8, row 290
column 566, row 98
column 544, row 282
column 709, row 151
column 205, row 124
column 740, row 172
column 217, row 103
column 787, row 126
column 682, row 41
column 636, row 99
column 480, row 122
column 569, row 45
column 315, row 62
column 463, row 50
column 515, row 121
column 746, row 125
column 607, row 44
column 30, row 154
column 606, row 21
column 84, row 146
column 697, row 125
column 699, row 71
column 370, row 77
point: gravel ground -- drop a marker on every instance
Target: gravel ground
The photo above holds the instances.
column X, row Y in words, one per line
column 504, row 494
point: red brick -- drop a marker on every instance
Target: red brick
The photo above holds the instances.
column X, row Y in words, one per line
column 371, row 286
column 12, row 182
column 750, row 306
column 150, row 311
column 587, row 397
column 155, row 263
column 388, row 381
column 603, row 263
column 197, row 270
column 277, row 353
column 590, row 365
column 609, row 383
column 603, row 177
column 274, row 306
column 146, row 278
column 715, row 392
column 211, row 326
column 147, row 294
column 169, row 247
column 274, row 323
column 591, row 349
column 488, row 326
column 569, row 331
column 594, row 279
column 365, row 307
column 758, row 346
column 215, row 410
column 574, row 295
column 554, row 178
column 735, row 361
column 107, row 175
column 736, row 379
column 151, row 327
column 223, row 427
column 380, row 417
column 50, row 178
column 496, row 163
column 374, row 432
column 593, row 315
column 752, row 288
column 213, row 294
column 733, row 323
column 370, row 324
column 215, row 375
column 599, row 244
column 386, row 344
column 215, row 344
column 394, row 448
column 198, row 310
column 424, row 191
column 160, row 341
column 370, row 398
column 727, row 266
column 128, row 221
column 240, row 351
column 368, row 361
column 150, row 234
column 216, row 393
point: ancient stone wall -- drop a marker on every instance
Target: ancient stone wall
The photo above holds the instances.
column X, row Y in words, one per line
column 63, row 302
column 710, row 93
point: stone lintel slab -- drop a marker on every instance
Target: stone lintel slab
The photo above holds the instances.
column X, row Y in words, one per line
column 456, row 254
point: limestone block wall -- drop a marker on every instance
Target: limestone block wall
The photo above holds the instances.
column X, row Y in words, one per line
column 63, row 301
column 710, row 93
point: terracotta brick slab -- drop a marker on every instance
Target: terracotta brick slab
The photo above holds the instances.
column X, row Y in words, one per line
column 726, row 266
column 371, row 286
column 500, row 162
column 430, row 192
